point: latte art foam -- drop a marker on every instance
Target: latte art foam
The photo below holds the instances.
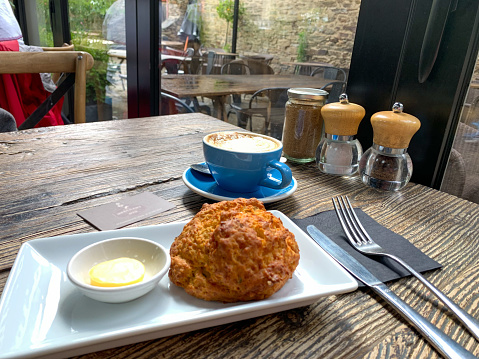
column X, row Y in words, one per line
column 241, row 142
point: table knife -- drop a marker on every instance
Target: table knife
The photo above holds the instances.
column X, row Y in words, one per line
column 444, row 344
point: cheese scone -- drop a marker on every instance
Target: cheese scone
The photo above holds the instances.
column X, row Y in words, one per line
column 233, row 251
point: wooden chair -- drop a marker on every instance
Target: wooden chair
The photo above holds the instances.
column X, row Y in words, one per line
column 73, row 63
column 64, row 47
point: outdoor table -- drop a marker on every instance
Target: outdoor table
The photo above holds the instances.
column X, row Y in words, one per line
column 219, row 87
column 50, row 174
column 121, row 55
column 172, row 43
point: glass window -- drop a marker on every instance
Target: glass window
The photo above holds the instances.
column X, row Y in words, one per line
column 462, row 173
column 286, row 39
column 98, row 27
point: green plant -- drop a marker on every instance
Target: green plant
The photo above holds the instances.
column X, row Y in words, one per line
column 225, row 10
column 86, row 16
column 96, row 80
column 86, row 21
column 302, row 45
column 44, row 28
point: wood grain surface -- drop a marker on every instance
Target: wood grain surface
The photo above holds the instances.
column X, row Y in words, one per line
column 221, row 85
column 49, row 174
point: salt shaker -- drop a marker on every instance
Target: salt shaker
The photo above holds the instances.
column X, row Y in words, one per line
column 339, row 151
column 387, row 165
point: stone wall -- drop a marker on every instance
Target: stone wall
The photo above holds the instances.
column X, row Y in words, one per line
column 274, row 27
column 173, row 14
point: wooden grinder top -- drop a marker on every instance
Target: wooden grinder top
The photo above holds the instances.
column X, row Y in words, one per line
column 394, row 129
column 342, row 118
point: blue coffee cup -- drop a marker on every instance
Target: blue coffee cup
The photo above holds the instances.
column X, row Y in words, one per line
column 246, row 165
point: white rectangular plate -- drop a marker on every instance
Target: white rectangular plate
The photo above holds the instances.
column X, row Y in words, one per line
column 43, row 315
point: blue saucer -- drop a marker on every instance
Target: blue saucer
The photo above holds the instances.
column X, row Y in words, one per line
column 206, row 186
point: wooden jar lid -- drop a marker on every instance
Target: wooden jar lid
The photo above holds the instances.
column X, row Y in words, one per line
column 394, row 128
column 342, row 118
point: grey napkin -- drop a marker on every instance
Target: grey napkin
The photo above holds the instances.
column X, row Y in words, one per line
column 383, row 268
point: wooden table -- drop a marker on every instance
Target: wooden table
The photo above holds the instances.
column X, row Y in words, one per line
column 49, row 174
column 121, row 55
column 172, row 43
column 219, row 87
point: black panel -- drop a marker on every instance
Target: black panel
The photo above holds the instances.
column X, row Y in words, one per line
column 384, row 69
column 142, row 39
column 132, row 55
column 60, row 22
column 377, row 50
column 19, row 9
column 235, row 26
column 436, row 101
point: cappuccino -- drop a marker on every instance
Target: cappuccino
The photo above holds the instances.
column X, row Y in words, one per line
column 241, row 142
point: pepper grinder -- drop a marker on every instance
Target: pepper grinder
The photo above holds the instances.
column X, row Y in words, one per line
column 339, row 151
column 387, row 165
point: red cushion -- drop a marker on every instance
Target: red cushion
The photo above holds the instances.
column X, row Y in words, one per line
column 21, row 94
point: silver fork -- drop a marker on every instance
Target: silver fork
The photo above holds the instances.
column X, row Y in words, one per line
column 360, row 240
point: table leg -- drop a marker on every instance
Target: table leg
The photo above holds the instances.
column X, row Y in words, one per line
column 219, row 104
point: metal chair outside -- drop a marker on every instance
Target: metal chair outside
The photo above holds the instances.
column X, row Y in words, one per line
column 330, row 73
column 268, row 103
column 235, row 67
column 171, row 105
column 335, row 89
column 259, row 67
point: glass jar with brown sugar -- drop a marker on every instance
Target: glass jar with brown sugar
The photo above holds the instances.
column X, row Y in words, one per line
column 303, row 124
